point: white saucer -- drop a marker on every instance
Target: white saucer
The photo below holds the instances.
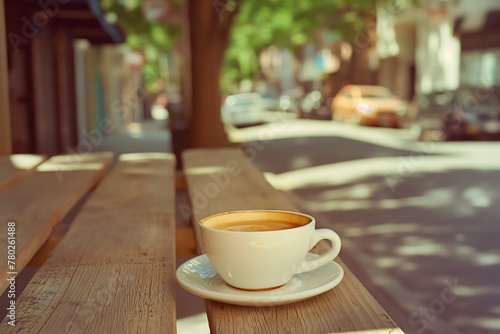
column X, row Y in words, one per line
column 200, row 278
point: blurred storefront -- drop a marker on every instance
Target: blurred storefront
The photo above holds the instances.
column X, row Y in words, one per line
column 57, row 90
column 99, row 86
column 477, row 25
column 417, row 50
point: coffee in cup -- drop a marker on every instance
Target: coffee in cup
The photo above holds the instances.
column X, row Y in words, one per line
column 263, row 249
column 255, row 226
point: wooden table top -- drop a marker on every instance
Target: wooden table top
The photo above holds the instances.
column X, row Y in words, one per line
column 114, row 270
column 40, row 200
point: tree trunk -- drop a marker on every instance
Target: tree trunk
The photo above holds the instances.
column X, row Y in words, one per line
column 209, row 25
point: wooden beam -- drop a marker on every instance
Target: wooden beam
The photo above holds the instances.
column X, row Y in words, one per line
column 5, row 137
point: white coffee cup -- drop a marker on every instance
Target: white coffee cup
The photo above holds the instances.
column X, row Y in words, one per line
column 262, row 260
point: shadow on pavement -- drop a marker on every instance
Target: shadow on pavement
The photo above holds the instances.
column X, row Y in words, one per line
column 304, row 152
column 428, row 244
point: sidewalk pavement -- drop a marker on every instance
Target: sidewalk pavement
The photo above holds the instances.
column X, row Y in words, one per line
column 147, row 136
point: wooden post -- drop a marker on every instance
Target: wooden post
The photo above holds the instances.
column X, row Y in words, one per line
column 66, row 98
column 43, row 60
column 5, row 137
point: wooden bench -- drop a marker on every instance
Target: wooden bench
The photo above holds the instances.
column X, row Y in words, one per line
column 113, row 272
column 38, row 201
column 220, row 180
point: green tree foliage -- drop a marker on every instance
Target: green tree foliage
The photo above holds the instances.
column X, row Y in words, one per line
column 258, row 25
column 289, row 24
column 142, row 35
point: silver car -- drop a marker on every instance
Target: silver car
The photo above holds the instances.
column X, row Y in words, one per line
column 242, row 109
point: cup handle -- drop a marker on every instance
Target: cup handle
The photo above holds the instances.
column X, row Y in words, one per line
column 328, row 256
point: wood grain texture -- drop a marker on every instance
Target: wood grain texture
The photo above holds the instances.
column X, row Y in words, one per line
column 113, row 272
column 39, row 201
column 16, row 166
column 348, row 308
column 58, row 232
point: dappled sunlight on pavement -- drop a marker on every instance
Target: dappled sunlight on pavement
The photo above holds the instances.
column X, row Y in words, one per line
column 284, row 127
column 418, row 220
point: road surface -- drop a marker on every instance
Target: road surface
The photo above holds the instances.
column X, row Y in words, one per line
column 420, row 221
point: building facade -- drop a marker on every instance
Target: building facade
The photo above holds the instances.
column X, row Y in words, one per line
column 418, row 53
column 477, row 25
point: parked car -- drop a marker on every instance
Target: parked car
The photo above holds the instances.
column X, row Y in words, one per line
column 431, row 109
column 289, row 104
column 368, row 105
column 315, row 105
column 270, row 103
column 242, row 109
column 466, row 113
column 472, row 112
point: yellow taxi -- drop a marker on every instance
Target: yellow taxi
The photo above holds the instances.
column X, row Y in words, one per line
column 367, row 105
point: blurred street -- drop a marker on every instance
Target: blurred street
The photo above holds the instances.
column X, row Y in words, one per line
column 379, row 118
column 418, row 220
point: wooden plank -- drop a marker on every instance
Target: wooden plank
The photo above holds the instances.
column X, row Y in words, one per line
column 15, row 167
column 114, row 270
column 46, row 249
column 222, row 180
column 5, row 134
column 39, row 201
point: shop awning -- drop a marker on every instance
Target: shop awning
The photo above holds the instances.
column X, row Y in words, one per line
column 478, row 31
column 85, row 19
column 477, row 22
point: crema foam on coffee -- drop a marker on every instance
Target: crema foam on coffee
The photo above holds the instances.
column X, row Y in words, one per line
column 255, row 226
